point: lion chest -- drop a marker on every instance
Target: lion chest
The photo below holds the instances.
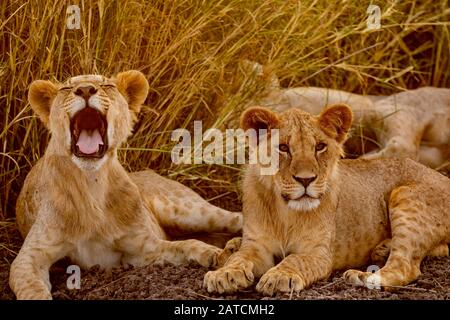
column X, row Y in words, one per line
column 91, row 252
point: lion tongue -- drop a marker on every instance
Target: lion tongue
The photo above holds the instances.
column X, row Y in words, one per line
column 89, row 141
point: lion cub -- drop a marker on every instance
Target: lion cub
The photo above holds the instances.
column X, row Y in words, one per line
column 319, row 213
column 78, row 200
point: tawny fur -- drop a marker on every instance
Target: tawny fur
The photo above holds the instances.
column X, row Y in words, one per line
column 398, row 207
column 92, row 210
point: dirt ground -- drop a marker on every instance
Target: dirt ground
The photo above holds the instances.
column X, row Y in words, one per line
column 185, row 282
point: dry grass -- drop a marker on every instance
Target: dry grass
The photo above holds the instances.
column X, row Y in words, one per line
column 190, row 50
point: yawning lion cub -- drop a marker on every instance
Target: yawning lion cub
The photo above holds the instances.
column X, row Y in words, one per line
column 78, row 201
column 319, row 213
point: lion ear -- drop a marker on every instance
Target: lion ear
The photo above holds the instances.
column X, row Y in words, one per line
column 134, row 87
column 336, row 121
column 40, row 96
column 259, row 118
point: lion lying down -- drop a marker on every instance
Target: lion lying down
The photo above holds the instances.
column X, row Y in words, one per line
column 78, row 201
column 319, row 213
column 413, row 123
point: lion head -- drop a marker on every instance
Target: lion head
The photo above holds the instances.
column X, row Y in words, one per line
column 309, row 149
column 89, row 116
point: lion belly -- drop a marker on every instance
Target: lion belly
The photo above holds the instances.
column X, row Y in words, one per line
column 357, row 236
column 88, row 253
column 362, row 220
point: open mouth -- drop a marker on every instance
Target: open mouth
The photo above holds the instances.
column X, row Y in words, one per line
column 88, row 130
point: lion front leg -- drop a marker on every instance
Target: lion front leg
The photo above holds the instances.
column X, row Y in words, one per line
column 239, row 272
column 27, row 281
column 29, row 274
column 294, row 273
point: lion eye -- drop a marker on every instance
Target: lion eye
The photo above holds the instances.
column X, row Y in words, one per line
column 107, row 86
column 283, row 147
column 321, row 147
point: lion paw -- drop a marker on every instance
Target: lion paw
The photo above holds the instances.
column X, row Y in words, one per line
column 31, row 294
column 360, row 278
column 228, row 279
column 278, row 280
column 209, row 258
column 231, row 247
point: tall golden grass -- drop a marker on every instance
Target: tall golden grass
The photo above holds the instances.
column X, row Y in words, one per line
column 191, row 51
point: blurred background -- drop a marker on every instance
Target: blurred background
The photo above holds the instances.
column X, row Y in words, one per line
column 192, row 53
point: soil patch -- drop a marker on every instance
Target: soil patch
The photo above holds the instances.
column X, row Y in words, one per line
column 185, row 282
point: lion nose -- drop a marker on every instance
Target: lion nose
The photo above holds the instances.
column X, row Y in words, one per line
column 85, row 91
column 304, row 181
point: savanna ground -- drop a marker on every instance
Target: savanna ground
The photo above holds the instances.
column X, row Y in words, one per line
column 192, row 53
